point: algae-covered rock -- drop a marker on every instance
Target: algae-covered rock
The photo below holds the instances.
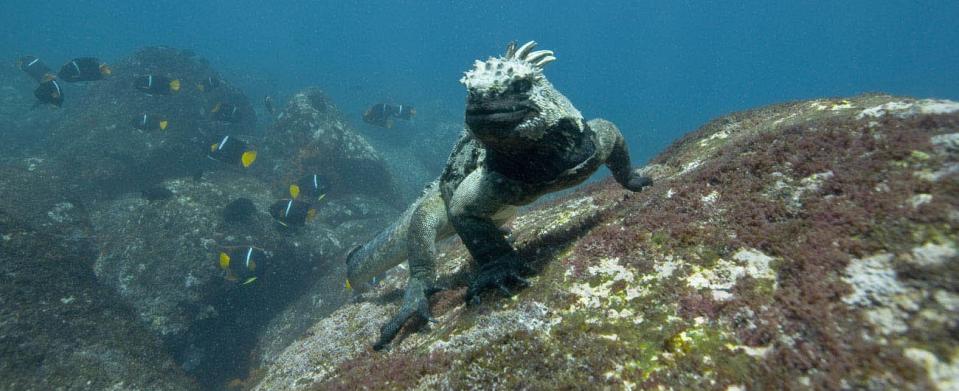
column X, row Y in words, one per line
column 310, row 136
column 61, row 330
column 96, row 142
column 802, row 245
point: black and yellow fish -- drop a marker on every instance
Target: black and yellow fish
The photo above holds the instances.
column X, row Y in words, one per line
column 312, row 187
column 156, row 84
column 233, row 151
column 84, row 69
column 226, row 112
column 242, row 264
column 49, row 92
column 148, row 122
column 382, row 114
column 292, row 213
column 208, row 83
column 37, row 70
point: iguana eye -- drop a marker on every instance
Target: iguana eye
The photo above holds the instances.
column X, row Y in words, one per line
column 520, row 85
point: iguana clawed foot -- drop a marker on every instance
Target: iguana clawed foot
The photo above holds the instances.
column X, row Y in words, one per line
column 499, row 274
column 415, row 302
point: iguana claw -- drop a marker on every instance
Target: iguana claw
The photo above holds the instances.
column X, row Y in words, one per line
column 498, row 274
column 415, row 302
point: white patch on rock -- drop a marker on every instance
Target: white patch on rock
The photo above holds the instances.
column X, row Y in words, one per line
column 887, row 303
column 920, row 200
column 945, row 375
column 931, row 254
column 873, row 281
column 722, row 277
column 690, row 166
column 946, row 143
column 600, row 296
column 60, row 212
column 910, row 108
column 710, row 198
column 531, row 316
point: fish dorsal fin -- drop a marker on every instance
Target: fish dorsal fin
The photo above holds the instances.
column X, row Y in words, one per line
column 248, row 158
column 294, row 191
column 216, row 108
column 224, row 260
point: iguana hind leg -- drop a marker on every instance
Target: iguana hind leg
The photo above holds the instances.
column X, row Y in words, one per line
column 427, row 225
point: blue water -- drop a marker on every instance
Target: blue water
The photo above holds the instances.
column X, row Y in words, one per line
column 657, row 68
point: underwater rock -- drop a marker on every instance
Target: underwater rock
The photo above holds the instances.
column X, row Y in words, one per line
column 98, row 145
column 311, row 136
column 162, row 257
column 156, row 193
column 801, row 245
column 36, row 192
column 62, row 330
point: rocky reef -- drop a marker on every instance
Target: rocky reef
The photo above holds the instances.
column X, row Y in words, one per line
column 801, row 245
column 136, row 219
column 95, row 140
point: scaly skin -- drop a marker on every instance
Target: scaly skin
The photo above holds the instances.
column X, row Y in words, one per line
column 523, row 139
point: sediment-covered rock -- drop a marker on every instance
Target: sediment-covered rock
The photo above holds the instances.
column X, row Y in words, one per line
column 807, row 244
column 310, row 136
column 96, row 142
column 61, row 330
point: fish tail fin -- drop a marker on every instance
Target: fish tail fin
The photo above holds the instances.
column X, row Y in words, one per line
column 224, row 260
column 200, row 87
column 163, row 124
column 294, row 191
column 175, row 85
column 248, row 158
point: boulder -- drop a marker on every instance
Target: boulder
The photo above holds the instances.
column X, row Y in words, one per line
column 311, row 136
column 162, row 257
column 803, row 245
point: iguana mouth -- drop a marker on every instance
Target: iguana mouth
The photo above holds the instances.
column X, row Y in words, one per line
column 499, row 112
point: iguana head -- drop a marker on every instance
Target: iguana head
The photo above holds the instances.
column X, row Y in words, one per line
column 510, row 104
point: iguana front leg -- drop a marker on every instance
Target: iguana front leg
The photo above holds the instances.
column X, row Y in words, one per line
column 473, row 210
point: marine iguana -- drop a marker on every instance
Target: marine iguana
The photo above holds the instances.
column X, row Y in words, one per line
column 523, row 139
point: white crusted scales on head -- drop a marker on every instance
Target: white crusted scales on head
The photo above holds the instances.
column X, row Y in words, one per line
column 496, row 73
